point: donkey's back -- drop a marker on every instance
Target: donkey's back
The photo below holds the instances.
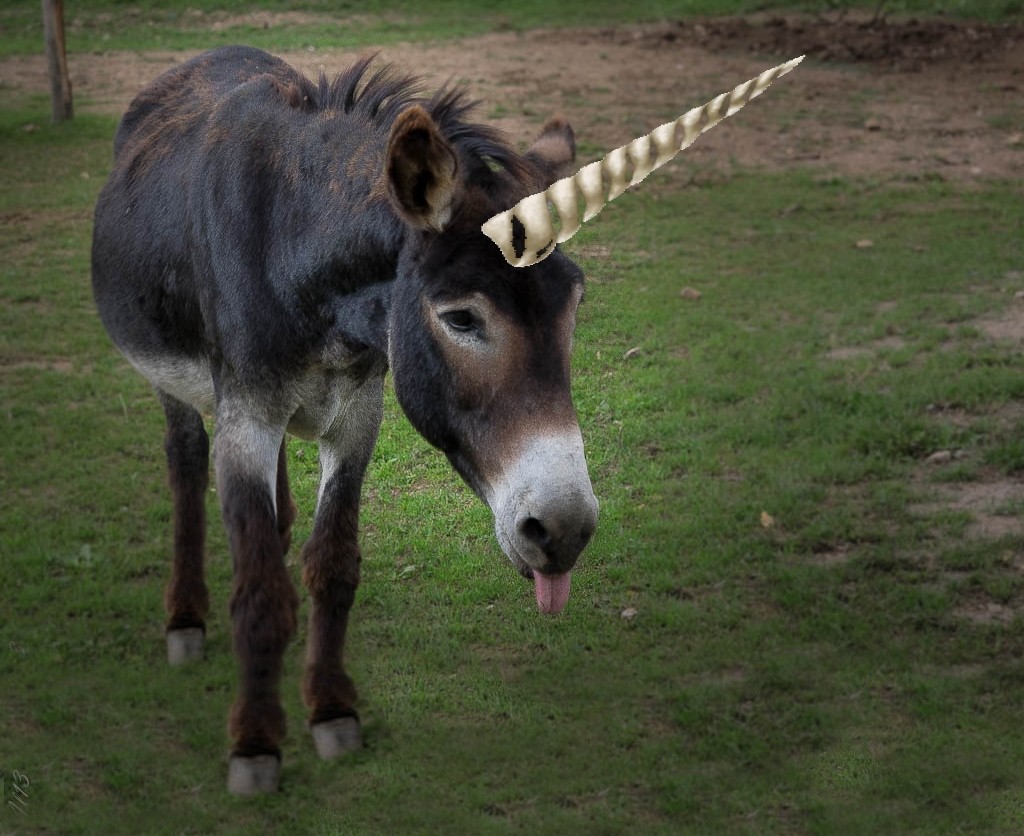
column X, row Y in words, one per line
column 153, row 276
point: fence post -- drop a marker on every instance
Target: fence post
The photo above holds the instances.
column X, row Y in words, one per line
column 57, row 60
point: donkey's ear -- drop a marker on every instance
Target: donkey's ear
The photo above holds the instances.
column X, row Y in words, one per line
column 554, row 152
column 421, row 170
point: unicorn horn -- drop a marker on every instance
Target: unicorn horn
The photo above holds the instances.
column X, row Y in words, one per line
column 597, row 183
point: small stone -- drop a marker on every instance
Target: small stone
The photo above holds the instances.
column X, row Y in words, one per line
column 1014, row 140
column 767, row 520
column 628, row 614
column 864, row 244
column 872, row 125
column 690, row 293
column 940, row 456
column 636, row 351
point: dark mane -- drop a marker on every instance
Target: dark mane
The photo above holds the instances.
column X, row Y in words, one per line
column 381, row 96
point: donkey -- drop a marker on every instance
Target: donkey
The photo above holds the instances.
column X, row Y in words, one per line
column 265, row 249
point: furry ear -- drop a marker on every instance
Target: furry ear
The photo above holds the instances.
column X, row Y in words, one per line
column 421, row 170
column 554, row 151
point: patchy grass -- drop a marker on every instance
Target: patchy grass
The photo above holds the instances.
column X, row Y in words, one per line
column 284, row 25
column 782, row 624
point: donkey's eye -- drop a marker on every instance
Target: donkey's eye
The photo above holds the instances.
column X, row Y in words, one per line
column 460, row 320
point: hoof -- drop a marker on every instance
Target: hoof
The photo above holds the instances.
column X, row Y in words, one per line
column 185, row 645
column 334, row 738
column 250, row 776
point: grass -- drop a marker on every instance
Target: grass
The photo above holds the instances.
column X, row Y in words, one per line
column 102, row 25
column 767, row 634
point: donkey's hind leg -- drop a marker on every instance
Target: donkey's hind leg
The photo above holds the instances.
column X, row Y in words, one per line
column 186, row 598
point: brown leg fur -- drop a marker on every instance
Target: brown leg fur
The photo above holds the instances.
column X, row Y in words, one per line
column 263, row 612
column 331, row 574
column 188, row 461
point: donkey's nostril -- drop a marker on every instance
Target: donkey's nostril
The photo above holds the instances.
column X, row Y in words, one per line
column 534, row 531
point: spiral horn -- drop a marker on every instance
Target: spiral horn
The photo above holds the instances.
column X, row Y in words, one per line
column 553, row 216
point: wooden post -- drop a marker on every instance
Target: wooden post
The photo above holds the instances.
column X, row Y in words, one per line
column 57, row 60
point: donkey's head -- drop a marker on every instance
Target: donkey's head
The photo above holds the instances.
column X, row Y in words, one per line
column 480, row 337
column 480, row 350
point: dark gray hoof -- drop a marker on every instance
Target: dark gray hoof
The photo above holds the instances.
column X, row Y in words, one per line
column 185, row 645
column 251, row 776
column 334, row 738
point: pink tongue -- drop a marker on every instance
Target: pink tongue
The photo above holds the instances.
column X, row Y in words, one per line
column 552, row 591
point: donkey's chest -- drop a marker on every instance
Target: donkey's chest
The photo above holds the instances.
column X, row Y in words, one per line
column 321, row 398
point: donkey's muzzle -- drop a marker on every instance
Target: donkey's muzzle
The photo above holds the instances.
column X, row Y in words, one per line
column 545, row 511
column 561, row 534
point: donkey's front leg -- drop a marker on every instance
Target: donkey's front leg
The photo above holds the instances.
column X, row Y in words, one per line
column 331, row 574
column 263, row 602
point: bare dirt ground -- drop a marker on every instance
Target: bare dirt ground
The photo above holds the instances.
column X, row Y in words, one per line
column 905, row 99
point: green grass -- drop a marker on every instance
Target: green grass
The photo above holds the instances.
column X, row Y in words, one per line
column 818, row 675
column 101, row 25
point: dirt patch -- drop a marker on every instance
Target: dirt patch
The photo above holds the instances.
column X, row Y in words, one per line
column 993, row 501
column 62, row 366
column 849, row 353
column 1007, row 326
column 838, row 555
column 984, row 612
column 852, row 37
column 915, row 100
column 991, row 505
column 890, row 343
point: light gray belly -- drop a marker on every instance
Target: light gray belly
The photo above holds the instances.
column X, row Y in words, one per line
column 316, row 401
